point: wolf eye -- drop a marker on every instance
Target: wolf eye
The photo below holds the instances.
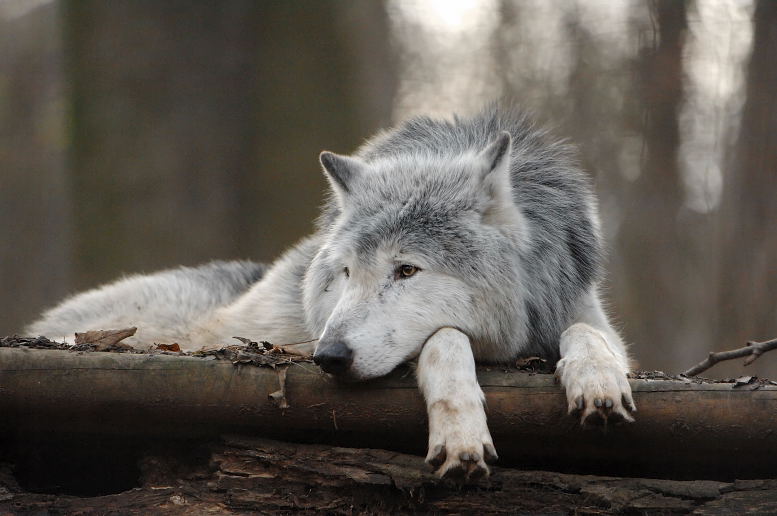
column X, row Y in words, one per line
column 346, row 272
column 405, row 271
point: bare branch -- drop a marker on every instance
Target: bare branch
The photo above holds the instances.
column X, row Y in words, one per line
column 752, row 351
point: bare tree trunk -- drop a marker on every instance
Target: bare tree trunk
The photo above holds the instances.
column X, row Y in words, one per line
column 748, row 304
column 162, row 119
column 195, row 127
column 653, row 251
column 315, row 90
column 35, row 222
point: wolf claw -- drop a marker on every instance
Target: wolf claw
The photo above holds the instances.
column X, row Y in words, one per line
column 466, row 466
column 593, row 407
column 460, row 444
column 595, row 381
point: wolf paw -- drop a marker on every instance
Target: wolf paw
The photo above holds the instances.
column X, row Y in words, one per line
column 594, row 377
column 460, row 444
column 597, row 392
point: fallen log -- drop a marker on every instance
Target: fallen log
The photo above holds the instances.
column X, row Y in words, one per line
column 684, row 429
column 242, row 474
column 250, row 474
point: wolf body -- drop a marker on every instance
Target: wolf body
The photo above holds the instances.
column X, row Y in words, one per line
column 447, row 241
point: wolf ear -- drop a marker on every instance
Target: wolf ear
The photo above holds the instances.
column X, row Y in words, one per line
column 496, row 156
column 496, row 180
column 340, row 170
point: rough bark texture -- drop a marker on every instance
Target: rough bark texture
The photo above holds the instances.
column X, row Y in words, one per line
column 244, row 475
column 684, row 429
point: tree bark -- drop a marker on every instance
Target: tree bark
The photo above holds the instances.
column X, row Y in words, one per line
column 249, row 474
column 684, row 429
column 748, row 298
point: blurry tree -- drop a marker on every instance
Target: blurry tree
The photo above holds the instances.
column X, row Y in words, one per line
column 325, row 81
column 748, row 276
column 650, row 244
column 193, row 131
column 34, row 190
column 195, row 128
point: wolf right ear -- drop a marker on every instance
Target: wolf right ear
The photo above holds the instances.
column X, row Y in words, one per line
column 497, row 155
column 340, row 170
column 496, row 181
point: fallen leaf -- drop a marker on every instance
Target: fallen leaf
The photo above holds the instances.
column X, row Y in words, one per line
column 169, row 347
column 744, row 380
column 104, row 340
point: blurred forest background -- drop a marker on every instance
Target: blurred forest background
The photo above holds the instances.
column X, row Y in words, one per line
column 141, row 135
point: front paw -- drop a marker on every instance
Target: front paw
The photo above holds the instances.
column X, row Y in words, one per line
column 597, row 390
column 460, row 444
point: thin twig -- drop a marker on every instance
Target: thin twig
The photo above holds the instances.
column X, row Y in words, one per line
column 296, row 343
column 287, row 348
column 752, row 351
column 308, row 369
column 294, row 352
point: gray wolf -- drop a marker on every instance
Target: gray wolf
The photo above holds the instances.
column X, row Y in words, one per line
column 449, row 242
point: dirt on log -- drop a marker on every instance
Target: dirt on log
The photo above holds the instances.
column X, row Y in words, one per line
column 685, row 429
column 246, row 475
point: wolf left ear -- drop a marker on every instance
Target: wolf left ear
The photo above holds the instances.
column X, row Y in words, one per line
column 341, row 171
column 495, row 177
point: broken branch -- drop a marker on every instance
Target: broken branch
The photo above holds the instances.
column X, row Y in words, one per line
column 752, row 351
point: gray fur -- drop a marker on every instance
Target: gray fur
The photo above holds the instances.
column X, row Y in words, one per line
column 168, row 300
column 416, row 196
column 521, row 270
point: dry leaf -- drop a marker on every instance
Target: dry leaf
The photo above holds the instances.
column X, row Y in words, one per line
column 169, row 347
column 744, row 380
column 103, row 340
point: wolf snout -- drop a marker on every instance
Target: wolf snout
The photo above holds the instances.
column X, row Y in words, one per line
column 334, row 357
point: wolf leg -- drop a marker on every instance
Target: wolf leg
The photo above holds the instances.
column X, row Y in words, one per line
column 593, row 366
column 459, row 441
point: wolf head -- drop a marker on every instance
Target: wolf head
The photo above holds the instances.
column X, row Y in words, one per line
column 420, row 242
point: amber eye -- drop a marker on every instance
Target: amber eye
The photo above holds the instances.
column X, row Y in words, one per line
column 346, row 272
column 405, row 271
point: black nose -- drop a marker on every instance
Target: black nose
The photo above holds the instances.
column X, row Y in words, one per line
column 334, row 358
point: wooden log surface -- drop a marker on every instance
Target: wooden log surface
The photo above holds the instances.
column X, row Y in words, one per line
column 243, row 475
column 684, row 429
